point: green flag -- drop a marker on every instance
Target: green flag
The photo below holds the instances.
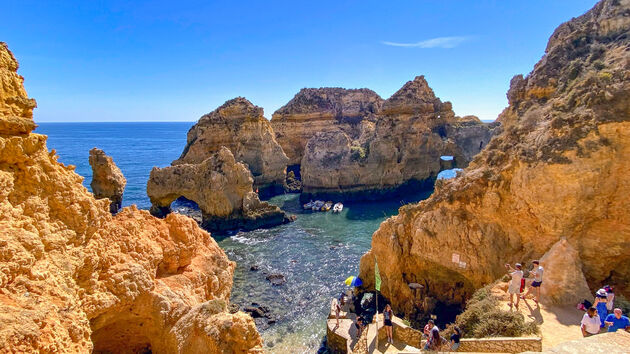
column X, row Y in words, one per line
column 377, row 276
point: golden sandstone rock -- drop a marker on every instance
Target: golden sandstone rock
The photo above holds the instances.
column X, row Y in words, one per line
column 241, row 127
column 559, row 169
column 221, row 187
column 315, row 110
column 107, row 179
column 74, row 278
column 397, row 152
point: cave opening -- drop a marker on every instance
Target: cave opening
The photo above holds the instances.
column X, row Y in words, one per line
column 123, row 335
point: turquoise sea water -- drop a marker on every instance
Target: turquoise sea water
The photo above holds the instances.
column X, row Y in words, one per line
column 316, row 253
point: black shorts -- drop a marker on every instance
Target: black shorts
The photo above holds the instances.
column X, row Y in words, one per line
column 536, row 284
column 388, row 323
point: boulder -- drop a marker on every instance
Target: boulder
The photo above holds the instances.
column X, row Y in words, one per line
column 563, row 280
column 76, row 279
column 241, row 127
column 558, row 168
column 221, row 187
column 107, row 179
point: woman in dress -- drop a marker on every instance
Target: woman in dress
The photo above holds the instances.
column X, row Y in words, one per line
column 388, row 314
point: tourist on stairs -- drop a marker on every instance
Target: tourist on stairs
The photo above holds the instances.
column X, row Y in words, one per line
column 538, row 275
column 434, row 340
column 515, row 284
column 388, row 314
column 590, row 322
column 600, row 305
column 616, row 321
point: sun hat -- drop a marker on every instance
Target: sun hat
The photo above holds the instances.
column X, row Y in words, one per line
column 601, row 292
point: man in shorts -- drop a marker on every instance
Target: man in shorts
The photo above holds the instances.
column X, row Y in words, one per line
column 537, row 272
column 515, row 284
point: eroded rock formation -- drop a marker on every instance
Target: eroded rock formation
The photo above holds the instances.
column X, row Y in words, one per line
column 221, row 187
column 74, row 278
column 325, row 109
column 241, row 127
column 398, row 151
column 107, row 179
column 559, row 169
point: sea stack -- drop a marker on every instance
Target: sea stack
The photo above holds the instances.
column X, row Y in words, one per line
column 315, row 110
column 396, row 153
column 107, row 179
column 221, row 187
column 76, row 279
column 241, row 127
column 558, row 170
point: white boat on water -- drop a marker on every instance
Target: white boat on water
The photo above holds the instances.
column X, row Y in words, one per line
column 308, row 206
column 337, row 208
column 317, row 205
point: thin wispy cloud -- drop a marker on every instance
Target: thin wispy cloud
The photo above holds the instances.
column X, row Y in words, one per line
column 439, row 42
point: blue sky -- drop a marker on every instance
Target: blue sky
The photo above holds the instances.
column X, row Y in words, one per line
column 174, row 61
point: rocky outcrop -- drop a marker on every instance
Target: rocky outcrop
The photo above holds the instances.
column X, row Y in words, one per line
column 471, row 135
column 221, row 187
column 241, row 127
column 74, row 278
column 563, row 270
column 397, row 153
column 107, row 179
column 325, row 109
column 558, row 169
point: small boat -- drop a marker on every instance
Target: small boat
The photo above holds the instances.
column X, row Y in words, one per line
column 338, row 208
column 317, row 205
column 308, row 205
column 327, row 206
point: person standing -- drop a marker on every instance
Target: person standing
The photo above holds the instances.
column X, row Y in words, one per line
column 616, row 321
column 538, row 279
column 515, row 284
column 601, row 298
column 388, row 314
column 610, row 297
column 455, row 337
column 590, row 324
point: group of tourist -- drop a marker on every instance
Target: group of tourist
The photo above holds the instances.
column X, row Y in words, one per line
column 517, row 282
column 435, row 342
column 601, row 314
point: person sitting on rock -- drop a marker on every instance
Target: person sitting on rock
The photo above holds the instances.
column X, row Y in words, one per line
column 590, row 322
column 617, row 320
column 515, row 284
column 538, row 274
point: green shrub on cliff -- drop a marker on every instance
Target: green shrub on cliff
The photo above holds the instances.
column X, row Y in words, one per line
column 358, row 152
column 484, row 318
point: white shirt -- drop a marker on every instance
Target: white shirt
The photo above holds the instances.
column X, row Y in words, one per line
column 517, row 275
column 538, row 274
column 591, row 324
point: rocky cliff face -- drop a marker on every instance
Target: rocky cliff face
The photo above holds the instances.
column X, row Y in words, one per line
column 74, row 278
column 558, row 169
column 221, row 187
column 322, row 110
column 398, row 152
column 107, row 179
column 241, row 127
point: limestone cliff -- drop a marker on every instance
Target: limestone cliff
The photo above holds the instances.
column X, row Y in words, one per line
column 559, row 169
column 74, row 278
column 107, row 179
column 241, row 127
column 398, row 152
column 322, row 110
column 221, row 187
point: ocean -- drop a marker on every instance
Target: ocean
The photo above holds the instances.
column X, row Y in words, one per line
column 316, row 253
